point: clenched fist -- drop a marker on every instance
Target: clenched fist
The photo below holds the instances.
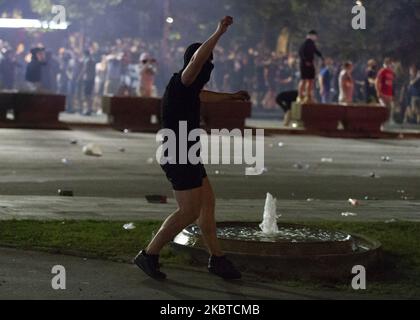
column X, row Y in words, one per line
column 224, row 25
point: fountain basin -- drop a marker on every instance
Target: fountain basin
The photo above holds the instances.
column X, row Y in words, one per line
column 296, row 251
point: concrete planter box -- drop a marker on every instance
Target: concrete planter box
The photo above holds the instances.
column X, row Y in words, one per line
column 322, row 117
column 133, row 113
column 136, row 113
column 225, row 115
column 365, row 119
column 32, row 110
column 356, row 119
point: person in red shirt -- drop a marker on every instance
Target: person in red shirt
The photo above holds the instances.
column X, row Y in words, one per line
column 385, row 87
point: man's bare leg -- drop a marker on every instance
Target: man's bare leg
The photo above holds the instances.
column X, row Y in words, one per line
column 189, row 203
column 207, row 219
column 218, row 263
column 287, row 118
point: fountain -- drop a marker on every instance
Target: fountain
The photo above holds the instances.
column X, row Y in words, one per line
column 285, row 250
column 269, row 225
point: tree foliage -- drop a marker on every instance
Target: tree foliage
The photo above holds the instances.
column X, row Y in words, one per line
column 78, row 10
column 391, row 25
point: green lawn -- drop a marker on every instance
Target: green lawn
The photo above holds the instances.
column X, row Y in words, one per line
column 108, row 240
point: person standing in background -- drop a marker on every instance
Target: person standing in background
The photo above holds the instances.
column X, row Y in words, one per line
column 100, row 71
column 8, row 70
column 148, row 70
column 307, row 53
column 325, row 81
column 33, row 74
column 413, row 96
column 113, row 73
column 370, row 81
column 50, row 71
column 346, row 83
column 385, row 87
column 88, row 77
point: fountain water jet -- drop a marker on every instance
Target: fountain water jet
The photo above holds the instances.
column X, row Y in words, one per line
column 269, row 225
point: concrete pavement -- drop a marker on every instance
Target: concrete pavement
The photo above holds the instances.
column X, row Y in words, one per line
column 114, row 186
column 27, row 276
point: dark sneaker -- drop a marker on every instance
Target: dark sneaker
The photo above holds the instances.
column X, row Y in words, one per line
column 222, row 267
column 150, row 265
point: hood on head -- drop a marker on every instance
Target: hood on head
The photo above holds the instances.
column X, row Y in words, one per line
column 205, row 73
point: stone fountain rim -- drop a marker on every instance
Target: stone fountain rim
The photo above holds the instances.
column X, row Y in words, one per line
column 375, row 244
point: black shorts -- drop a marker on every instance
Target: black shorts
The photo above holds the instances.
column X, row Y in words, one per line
column 185, row 176
column 307, row 71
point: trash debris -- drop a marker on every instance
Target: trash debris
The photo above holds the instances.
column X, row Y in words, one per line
column 327, row 160
column 65, row 193
column 254, row 171
column 217, row 172
column 373, row 175
column 65, row 161
column 354, row 202
column 126, row 131
column 157, row 199
column 310, row 200
column 150, row 161
column 391, row 221
column 386, row 159
column 401, row 191
column 298, row 166
column 74, row 142
column 349, row 214
column 129, row 226
column 301, row 166
column 281, row 144
column 92, row 150
column 122, row 150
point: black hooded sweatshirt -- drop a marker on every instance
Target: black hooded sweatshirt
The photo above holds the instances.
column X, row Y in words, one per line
column 181, row 103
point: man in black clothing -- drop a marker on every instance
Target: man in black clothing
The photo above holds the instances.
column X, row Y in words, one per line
column 34, row 69
column 192, row 188
column 307, row 53
column 285, row 101
column 8, row 68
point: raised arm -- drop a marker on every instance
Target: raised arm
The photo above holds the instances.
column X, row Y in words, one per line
column 203, row 53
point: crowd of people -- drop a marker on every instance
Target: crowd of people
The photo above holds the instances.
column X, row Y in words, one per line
column 131, row 67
